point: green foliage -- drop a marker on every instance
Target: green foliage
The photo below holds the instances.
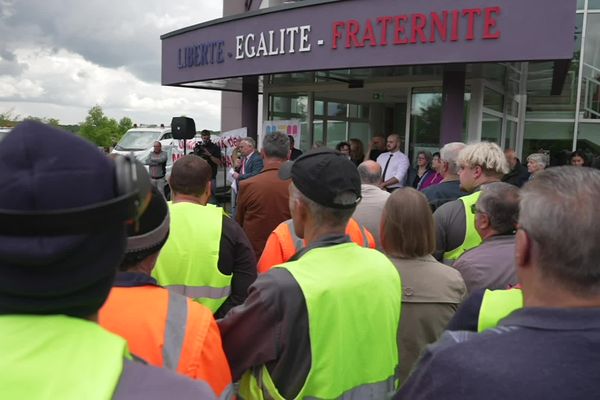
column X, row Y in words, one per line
column 125, row 124
column 101, row 130
column 9, row 118
column 50, row 121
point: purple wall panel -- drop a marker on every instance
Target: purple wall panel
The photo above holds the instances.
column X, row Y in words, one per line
column 529, row 30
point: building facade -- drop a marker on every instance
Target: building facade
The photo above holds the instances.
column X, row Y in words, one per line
column 499, row 70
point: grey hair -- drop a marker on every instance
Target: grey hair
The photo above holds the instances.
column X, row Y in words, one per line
column 500, row 201
column 276, row 145
column 332, row 217
column 560, row 214
column 449, row 153
column 539, row 158
column 250, row 141
column 368, row 175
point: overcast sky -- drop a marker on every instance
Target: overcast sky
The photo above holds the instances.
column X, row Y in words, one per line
column 58, row 58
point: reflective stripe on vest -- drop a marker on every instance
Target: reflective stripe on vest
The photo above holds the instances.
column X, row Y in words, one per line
column 200, row 291
column 188, row 262
column 472, row 238
column 168, row 330
column 496, row 305
column 174, row 330
column 297, row 242
column 346, row 309
column 58, row 357
column 267, row 390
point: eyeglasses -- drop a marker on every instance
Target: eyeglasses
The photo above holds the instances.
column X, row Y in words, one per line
column 475, row 210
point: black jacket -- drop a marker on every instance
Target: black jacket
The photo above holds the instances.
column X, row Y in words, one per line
column 517, row 176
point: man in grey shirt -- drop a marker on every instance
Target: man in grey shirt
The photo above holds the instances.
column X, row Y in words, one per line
column 157, row 160
column 492, row 264
column 368, row 211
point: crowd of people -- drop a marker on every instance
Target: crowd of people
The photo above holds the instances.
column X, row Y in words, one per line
column 343, row 273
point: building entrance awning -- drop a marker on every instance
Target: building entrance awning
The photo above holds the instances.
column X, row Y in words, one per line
column 327, row 35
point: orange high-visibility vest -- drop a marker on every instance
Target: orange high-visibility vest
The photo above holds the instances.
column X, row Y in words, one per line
column 283, row 243
column 168, row 330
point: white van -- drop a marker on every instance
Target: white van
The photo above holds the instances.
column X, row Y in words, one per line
column 139, row 141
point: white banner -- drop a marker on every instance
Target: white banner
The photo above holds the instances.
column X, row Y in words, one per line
column 228, row 141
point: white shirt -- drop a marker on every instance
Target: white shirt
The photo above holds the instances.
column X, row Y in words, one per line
column 397, row 167
column 368, row 211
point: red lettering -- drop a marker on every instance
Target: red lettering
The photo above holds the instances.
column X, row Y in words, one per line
column 351, row 38
column 369, row 34
column 383, row 21
column 439, row 25
column 455, row 20
column 336, row 33
column 471, row 12
column 399, row 29
column 419, row 21
column 490, row 23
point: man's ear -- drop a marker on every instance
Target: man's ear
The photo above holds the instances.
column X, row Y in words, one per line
column 208, row 189
column 482, row 221
column 445, row 166
column 523, row 249
column 477, row 171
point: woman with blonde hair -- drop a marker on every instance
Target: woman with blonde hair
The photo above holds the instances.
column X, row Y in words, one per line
column 431, row 291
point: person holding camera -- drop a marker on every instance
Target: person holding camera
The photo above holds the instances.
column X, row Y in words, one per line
column 210, row 152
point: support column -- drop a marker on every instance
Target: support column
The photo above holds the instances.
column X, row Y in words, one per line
column 476, row 111
column 453, row 104
column 250, row 105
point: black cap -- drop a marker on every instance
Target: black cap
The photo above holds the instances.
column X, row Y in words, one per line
column 321, row 175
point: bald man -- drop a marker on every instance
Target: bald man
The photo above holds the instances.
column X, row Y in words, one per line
column 368, row 211
column 518, row 174
column 394, row 164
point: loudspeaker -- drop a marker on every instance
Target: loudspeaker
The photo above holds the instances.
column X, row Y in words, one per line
column 183, row 128
column 134, row 191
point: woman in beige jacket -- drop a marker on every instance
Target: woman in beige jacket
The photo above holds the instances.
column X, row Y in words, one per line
column 431, row 291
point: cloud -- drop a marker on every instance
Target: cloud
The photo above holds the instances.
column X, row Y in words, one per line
column 66, row 79
column 109, row 33
column 60, row 58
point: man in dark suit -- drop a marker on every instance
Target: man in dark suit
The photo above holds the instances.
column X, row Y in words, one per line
column 251, row 163
column 248, row 166
column 518, row 174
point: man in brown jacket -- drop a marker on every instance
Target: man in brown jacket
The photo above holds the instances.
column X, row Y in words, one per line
column 263, row 199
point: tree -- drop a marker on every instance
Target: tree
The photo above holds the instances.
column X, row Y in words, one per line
column 101, row 130
column 9, row 118
column 53, row 121
column 125, row 124
column 50, row 121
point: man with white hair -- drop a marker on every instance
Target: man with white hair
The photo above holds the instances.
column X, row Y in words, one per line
column 479, row 163
column 449, row 188
column 550, row 348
